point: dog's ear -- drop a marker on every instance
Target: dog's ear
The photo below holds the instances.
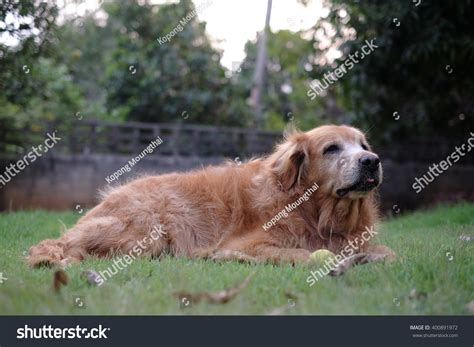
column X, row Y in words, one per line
column 290, row 161
column 293, row 171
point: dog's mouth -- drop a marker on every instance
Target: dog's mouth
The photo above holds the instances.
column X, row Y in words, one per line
column 364, row 184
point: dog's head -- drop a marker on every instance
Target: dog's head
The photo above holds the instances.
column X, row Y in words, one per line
column 337, row 158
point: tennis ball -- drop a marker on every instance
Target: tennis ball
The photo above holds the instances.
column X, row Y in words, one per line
column 321, row 256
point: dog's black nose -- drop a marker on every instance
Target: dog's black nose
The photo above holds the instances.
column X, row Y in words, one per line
column 370, row 161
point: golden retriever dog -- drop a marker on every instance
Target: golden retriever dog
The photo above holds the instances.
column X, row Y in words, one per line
column 319, row 183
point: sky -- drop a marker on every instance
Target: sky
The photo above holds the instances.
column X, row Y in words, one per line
column 230, row 23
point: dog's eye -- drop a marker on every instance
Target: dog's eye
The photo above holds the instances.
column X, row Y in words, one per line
column 364, row 147
column 331, row 149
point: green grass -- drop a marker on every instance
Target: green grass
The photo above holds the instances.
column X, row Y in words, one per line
column 420, row 239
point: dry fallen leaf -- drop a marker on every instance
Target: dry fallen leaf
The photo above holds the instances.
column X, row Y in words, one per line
column 219, row 297
column 291, row 296
column 416, row 295
column 470, row 306
column 356, row 259
column 92, row 277
column 466, row 238
column 278, row 311
column 59, row 279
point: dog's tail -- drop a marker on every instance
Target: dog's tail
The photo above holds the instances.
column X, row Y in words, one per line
column 53, row 253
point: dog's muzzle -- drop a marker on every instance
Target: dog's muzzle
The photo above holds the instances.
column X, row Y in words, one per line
column 368, row 178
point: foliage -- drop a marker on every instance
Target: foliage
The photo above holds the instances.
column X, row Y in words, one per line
column 52, row 96
column 410, row 71
column 286, row 80
column 86, row 47
column 34, row 87
column 162, row 81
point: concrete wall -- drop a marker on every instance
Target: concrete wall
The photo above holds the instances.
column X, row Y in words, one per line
column 64, row 181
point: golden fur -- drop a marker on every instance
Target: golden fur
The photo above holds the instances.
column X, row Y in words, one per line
column 218, row 212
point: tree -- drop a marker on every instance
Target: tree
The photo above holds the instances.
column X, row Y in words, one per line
column 421, row 69
column 86, row 46
column 260, row 69
column 164, row 67
column 284, row 97
column 33, row 87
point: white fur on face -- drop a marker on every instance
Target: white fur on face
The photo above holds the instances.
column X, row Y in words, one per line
column 344, row 167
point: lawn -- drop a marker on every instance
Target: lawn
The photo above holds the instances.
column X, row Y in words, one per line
column 433, row 260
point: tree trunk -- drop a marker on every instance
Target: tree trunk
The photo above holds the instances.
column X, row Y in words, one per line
column 260, row 69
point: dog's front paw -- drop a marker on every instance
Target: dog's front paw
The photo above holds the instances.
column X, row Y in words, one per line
column 227, row 254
